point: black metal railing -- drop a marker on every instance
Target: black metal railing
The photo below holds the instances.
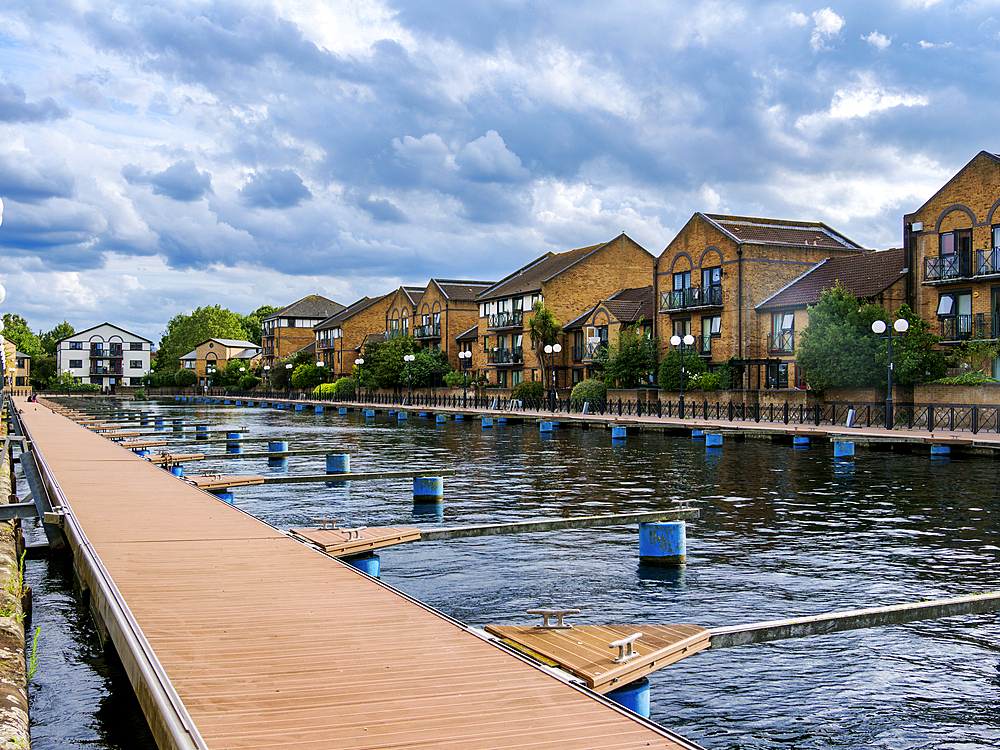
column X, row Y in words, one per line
column 987, row 262
column 781, row 343
column 326, row 343
column 105, row 371
column 931, row 417
column 505, row 320
column 112, row 352
column 512, row 356
column 703, row 345
column 950, row 266
column 595, row 351
column 429, row 331
column 965, row 327
column 695, row 296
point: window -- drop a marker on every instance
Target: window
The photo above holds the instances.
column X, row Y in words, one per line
column 502, row 378
column 996, row 238
column 783, row 321
column 76, row 345
column 135, row 364
column 76, row 363
column 135, row 381
column 406, row 326
column 682, row 281
column 947, row 241
column 135, row 346
column 711, row 326
column 946, row 303
column 682, row 327
column 711, row 277
column 515, row 377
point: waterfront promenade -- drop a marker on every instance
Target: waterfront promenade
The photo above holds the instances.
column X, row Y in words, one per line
column 258, row 641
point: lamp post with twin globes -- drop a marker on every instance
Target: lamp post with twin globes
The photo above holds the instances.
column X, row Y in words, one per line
column 677, row 341
column 464, row 360
column 358, row 362
column 552, row 350
column 901, row 326
column 408, row 358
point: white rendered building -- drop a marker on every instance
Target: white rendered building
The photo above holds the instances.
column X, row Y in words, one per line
column 105, row 355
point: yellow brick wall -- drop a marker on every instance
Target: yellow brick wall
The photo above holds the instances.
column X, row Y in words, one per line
column 977, row 188
column 457, row 316
column 355, row 329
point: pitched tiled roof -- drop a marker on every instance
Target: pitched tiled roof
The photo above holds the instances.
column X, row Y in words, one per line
column 864, row 276
column 461, row 290
column 246, row 353
column 471, row 335
column 105, row 323
column 628, row 306
column 529, row 278
column 313, row 306
column 413, row 293
column 235, row 342
column 746, row 229
column 193, row 354
column 336, row 320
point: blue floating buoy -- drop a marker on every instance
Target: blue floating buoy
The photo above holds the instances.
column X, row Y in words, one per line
column 423, row 415
column 940, row 451
column 618, row 432
column 178, row 425
column 441, row 419
column 318, row 409
column 342, row 411
column 338, row 463
column 800, row 440
column 843, row 450
column 713, row 439
column 225, row 495
column 232, row 443
column 428, row 489
column 545, row 426
column 501, row 420
column 663, row 543
column 697, row 434
column 401, row 416
column 202, row 431
column 459, row 416
column 487, row 422
column 634, row 697
column 177, row 470
column 369, row 564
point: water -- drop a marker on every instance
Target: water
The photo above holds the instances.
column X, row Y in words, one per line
column 784, row 532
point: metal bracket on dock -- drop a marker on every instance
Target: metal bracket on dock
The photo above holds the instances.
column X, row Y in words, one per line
column 625, row 650
column 328, row 523
column 558, row 613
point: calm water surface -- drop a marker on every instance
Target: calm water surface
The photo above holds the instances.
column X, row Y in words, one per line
column 783, row 532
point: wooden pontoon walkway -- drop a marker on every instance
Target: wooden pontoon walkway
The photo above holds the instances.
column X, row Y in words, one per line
column 271, row 644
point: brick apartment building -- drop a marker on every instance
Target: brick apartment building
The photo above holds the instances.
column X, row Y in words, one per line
column 876, row 277
column 339, row 339
column 216, row 353
column 568, row 283
column 447, row 309
column 600, row 325
column 711, row 276
column 291, row 328
column 953, row 254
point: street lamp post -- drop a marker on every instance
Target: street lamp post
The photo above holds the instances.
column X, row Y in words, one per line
column 267, row 376
column 463, row 362
column 322, row 373
column 409, row 378
column 682, row 342
column 552, row 350
column 288, row 379
column 902, row 325
column 359, row 361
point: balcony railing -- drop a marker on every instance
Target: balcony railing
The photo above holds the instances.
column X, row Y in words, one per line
column 703, row 344
column 505, row 356
column 326, row 343
column 105, row 371
column 975, row 326
column 695, row 296
column 429, row 331
column 113, row 352
column 987, row 262
column 505, row 320
column 951, row 266
column 781, row 343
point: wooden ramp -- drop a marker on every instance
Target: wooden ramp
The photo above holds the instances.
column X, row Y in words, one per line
column 585, row 650
column 270, row 643
column 345, row 542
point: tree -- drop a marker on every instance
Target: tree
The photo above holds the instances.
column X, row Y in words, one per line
column 185, row 378
column 306, row 375
column 15, row 328
column 185, row 332
column 281, row 374
column 838, row 348
column 629, row 359
column 669, row 375
column 384, row 363
column 43, row 369
column 913, row 357
column 251, row 322
column 50, row 341
column 543, row 330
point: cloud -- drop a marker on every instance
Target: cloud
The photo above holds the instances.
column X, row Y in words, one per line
column 878, row 41
column 828, row 25
column 274, row 188
column 29, row 179
column 180, row 182
column 382, row 210
column 797, row 19
column 14, row 106
column 487, row 159
column 931, row 45
column 862, row 100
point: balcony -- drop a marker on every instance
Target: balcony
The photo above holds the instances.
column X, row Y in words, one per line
column 703, row 345
column 692, row 297
column 326, row 343
column 988, row 262
column 505, row 356
column 947, row 267
column 781, row 343
column 429, row 331
column 965, row 327
column 113, row 352
column 105, row 370
column 505, row 320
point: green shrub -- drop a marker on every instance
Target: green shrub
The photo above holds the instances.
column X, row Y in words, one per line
column 669, row 377
column 528, row 390
column 344, row 388
column 324, row 389
column 184, row 378
column 455, row 378
column 968, row 378
column 249, row 382
column 592, row 390
column 707, row 381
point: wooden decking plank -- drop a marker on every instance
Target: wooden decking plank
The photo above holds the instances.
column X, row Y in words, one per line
column 341, row 542
column 383, row 673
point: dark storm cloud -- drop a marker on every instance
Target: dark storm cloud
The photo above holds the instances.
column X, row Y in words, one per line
column 15, row 107
column 275, row 188
column 181, row 181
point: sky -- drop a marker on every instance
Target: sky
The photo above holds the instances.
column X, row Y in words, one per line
column 155, row 158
